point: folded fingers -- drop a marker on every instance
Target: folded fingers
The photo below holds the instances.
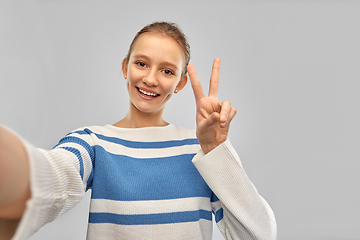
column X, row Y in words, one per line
column 227, row 113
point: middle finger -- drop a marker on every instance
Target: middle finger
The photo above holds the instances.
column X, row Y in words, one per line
column 214, row 78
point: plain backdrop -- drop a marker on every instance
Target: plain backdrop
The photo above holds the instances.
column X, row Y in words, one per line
column 291, row 68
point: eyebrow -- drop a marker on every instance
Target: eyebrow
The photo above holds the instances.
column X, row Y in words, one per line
column 162, row 63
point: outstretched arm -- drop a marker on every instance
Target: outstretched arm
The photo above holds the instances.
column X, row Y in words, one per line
column 37, row 185
column 14, row 176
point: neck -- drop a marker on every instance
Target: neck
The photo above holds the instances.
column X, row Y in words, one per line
column 137, row 119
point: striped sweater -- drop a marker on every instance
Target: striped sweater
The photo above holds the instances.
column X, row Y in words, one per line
column 147, row 183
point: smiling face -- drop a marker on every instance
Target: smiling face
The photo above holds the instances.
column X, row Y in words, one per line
column 153, row 72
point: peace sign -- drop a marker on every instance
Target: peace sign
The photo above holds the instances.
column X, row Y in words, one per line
column 212, row 116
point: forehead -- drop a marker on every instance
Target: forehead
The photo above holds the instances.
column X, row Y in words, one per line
column 158, row 48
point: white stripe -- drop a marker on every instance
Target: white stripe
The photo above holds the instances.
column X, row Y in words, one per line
column 144, row 153
column 85, row 137
column 149, row 207
column 216, row 205
column 201, row 230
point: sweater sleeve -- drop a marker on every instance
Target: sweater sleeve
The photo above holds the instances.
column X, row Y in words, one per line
column 240, row 212
column 58, row 181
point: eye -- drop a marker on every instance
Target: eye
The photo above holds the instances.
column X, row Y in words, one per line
column 141, row 64
column 168, row 72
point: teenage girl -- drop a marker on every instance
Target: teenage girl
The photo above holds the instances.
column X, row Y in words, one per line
column 149, row 178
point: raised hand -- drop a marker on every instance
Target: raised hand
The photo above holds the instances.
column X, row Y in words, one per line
column 212, row 116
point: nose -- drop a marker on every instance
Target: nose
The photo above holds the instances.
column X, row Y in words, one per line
column 150, row 79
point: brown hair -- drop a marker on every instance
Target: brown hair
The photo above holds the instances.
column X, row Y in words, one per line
column 168, row 29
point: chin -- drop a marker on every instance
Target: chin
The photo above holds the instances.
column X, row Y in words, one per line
column 147, row 109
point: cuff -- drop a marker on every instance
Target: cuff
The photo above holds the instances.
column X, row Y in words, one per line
column 221, row 153
column 37, row 208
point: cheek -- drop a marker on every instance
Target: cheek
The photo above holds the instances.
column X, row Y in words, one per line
column 169, row 89
column 127, row 85
column 170, row 84
column 132, row 78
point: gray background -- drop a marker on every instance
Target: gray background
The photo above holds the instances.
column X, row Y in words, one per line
column 291, row 68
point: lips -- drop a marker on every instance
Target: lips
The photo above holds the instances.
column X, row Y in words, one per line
column 147, row 93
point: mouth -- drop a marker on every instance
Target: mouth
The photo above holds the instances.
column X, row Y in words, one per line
column 147, row 93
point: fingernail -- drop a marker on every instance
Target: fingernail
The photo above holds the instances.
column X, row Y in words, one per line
column 223, row 118
column 222, row 124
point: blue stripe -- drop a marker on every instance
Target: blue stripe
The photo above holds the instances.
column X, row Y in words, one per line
column 214, row 198
column 72, row 139
column 143, row 145
column 148, row 219
column 78, row 155
column 146, row 145
column 125, row 178
column 219, row 215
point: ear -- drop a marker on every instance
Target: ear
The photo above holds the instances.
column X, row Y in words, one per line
column 181, row 84
column 124, row 66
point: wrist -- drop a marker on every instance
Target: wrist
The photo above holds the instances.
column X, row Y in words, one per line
column 208, row 147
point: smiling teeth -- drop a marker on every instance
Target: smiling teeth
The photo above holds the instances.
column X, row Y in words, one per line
column 147, row 93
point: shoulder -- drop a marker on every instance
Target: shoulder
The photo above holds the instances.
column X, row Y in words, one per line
column 148, row 134
column 89, row 130
column 183, row 132
column 84, row 135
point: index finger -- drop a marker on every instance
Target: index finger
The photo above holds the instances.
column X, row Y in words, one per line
column 214, row 78
column 195, row 83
